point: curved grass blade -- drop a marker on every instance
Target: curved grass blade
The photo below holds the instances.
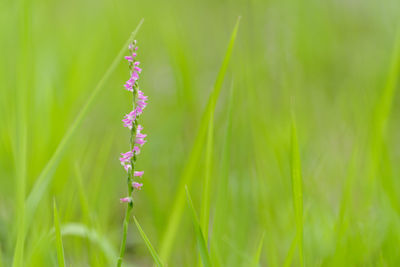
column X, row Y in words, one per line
column 297, row 190
column 201, row 242
column 149, row 246
column 190, row 167
column 80, row 230
column 46, row 176
column 59, row 244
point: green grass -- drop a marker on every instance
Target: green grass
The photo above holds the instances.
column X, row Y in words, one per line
column 59, row 242
column 273, row 182
column 297, row 185
column 150, row 247
column 200, row 236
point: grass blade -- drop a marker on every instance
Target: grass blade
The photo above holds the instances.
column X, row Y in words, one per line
column 82, row 196
column 189, row 170
column 289, row 256
column 201, row 242
column 256, row 258
column 383, row 109
column 80, row 230
column 59, row 244
column 297, row 190
column 205, row 215
column 222, row 198
column 24, row 73
column 149, row 246
column 45, row 176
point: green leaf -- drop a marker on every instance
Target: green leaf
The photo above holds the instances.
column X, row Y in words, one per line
column 150, row 247
column 59, row 243
column 201, row 242
column 190, row 167
column 297, row 189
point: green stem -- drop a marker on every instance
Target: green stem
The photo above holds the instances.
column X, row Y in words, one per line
column 124, row 236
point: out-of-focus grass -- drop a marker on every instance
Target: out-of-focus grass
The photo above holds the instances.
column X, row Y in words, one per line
column 338, row 59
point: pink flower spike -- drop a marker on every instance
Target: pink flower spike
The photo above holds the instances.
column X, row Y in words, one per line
column 137, row 63
column 126, row 200
column 138, row 173
column 130, row 59
column 136, row 185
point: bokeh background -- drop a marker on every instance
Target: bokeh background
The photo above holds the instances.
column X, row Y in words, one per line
column 333, row 64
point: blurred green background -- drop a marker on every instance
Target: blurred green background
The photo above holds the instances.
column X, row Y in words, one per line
column 332, row 63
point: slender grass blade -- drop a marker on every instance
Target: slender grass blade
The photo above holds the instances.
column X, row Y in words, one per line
column 297, row 189
column 257, row 255
column 149, row 246
column 201, row 241
column 189, row 169
column 59, row 243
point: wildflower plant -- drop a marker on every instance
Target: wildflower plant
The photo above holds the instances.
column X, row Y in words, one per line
column 137, row 139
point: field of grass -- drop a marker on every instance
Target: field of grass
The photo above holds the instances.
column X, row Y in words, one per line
column 273, row 133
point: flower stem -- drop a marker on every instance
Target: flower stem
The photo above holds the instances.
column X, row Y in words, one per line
column 124, row 236
column 131, row 174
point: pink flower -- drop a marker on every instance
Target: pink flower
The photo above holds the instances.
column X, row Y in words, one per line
column 141, row 104
column 138, row 173
column 126, row 157
column 136, row 185
column 126, row 200
column 141, row 96
column 130, row 59
column 129, row 118
column 140, row 141
column 136, row 63
column 136, row 150
column 140, row 135
column 130, row 47
column 127, row 167
column 129, row 84
column 138, row 69
column 135, row 76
